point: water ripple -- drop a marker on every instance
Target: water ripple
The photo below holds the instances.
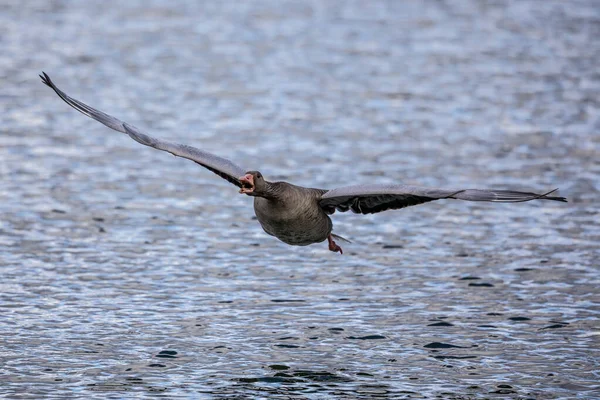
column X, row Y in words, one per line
column 128, row 273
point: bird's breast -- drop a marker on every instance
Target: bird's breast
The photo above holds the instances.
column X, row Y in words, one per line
column 294, row 222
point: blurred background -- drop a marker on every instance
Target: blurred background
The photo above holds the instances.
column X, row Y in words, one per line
column 128, row 271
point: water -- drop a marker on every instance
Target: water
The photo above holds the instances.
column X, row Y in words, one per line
column 127, row 273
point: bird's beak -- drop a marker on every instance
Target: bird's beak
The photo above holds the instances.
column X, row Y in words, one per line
column 247, row 182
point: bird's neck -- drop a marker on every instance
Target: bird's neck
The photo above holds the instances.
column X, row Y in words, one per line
column 271, row 191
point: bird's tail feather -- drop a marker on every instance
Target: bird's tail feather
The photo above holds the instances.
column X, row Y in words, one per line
column 341, row 238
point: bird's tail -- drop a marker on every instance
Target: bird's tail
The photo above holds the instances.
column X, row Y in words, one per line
column 341, row 238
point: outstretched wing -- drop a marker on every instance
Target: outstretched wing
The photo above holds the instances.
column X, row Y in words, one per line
column 370, row 199
column 220, row 166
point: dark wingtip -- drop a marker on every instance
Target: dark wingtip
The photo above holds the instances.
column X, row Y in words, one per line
column 555, row 198
column 46, row 79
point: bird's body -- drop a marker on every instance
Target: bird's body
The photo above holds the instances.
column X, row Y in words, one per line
column 297, row 215
column 292, row 214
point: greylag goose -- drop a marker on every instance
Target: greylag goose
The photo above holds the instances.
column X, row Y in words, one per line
column 294, row 214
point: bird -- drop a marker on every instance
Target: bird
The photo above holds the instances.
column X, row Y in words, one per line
column 299, row 215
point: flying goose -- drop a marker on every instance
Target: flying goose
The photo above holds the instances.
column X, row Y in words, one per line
column 294, row 214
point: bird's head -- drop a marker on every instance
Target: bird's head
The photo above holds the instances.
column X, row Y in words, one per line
column 253, row 183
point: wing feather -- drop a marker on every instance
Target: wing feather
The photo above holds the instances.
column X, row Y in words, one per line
column 223, row 167
column 374, row 198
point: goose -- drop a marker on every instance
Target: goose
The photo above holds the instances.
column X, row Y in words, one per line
column 299, row 215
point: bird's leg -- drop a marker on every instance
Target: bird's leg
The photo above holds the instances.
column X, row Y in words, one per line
column 332, row 246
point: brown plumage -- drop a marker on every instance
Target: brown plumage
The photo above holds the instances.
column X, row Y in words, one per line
column 297, row 215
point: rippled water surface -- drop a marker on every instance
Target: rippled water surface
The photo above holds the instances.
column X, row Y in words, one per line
column 128, row 273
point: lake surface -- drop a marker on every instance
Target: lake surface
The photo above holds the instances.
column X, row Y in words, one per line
column 128, row 273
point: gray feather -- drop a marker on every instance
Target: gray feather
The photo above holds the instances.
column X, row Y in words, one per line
column 223, row 167
column 369, row 199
